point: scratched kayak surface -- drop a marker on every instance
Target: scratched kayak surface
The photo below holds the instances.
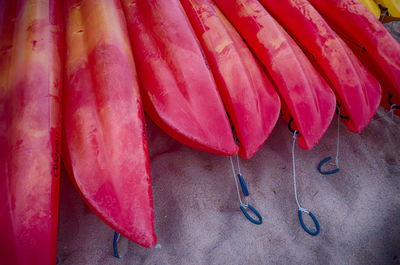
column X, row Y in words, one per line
column 178, row 90
column 358, row 92
column 31, row 38
column 305, row 95
column 249, row 97
column 105, row 147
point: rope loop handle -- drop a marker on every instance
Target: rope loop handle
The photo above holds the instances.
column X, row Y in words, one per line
column 329, row 172
column 301, row 209
column 317, row 229
column 324, row 161
column 245, row 192
column 251, row 219
column 115, row 245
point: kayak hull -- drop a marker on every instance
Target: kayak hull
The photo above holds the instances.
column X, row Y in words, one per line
column 357, row 91
column 105, row 139
column 305, row 95
column 370, row 41
column 249, row 97
column 178, row 90
column 372, row 7
column 31, row 38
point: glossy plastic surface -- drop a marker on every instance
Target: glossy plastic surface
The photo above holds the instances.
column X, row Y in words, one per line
column 357, row 91
column 30, row 122
column 178, row 90
column 372, row 7
column 370, row 41
column 105, row 145
column 305, row 94
column 249, row 97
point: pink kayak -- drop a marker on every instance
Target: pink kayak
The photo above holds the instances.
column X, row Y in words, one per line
column 31, row 38
column 178, row 90
column 105, row 147
column 371, row 42
column 249, row 97
column 357, row 91
column 306, row 97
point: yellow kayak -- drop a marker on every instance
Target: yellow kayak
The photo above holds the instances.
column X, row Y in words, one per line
column 393, row 6
column 373, row 7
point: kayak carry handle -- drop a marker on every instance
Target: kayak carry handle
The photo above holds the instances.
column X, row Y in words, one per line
column 243, row 185
column 115, row 247
column 245, row 192
column 314, row 220
column 251, row 219
column 290, row 126
column 326, row 172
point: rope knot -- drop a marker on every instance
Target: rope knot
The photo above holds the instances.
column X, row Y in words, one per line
column 295, row 135
column 393, row 107
column 303, row 210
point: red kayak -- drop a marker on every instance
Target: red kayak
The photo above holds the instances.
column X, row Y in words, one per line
column 31, row 38
column 371, row 42
column 306, row 97
column 357, row 91
column 178, row 90
column 249, row 97
column 105, row 144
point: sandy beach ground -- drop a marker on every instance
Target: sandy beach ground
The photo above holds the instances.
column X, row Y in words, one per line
column 197, row 215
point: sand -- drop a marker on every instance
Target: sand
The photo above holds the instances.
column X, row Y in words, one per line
column 197, row 215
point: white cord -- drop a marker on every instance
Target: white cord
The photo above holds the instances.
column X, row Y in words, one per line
column 294, row 174
column 236, row 182
column 238, row 165
column 338, row 139
column 391, row 111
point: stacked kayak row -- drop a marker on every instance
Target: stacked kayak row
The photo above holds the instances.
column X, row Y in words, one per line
column 215, row 75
